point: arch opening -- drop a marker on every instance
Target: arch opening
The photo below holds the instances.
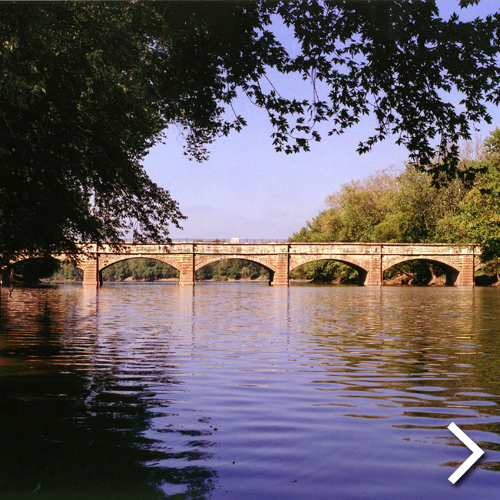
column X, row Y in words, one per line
column 328, row 271
column 68, row 272
column 487, row 273
column 31, row 271
column 234, row 270
column 138, row 269
column 420, row 272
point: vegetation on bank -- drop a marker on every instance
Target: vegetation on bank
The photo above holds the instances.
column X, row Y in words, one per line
column 411, row 207
column 150, row 270
column 234, row 269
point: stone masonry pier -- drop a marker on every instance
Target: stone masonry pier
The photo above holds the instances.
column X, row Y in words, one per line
column 369, row 259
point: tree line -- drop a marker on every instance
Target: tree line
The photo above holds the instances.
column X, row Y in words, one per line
column 413, row 207
column 142, row 269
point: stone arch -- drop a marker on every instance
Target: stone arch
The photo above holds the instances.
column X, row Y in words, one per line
column 108, row 260
column 446, row 261
column 12, row 263
column 204, row 260
column 6, row 271
column 353, row 261
column 478, row 264
column 452, row 265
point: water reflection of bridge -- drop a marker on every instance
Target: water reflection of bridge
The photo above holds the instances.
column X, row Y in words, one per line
column 369, row 259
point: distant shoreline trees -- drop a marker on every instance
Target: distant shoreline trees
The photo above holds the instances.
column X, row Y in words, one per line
column 411, row 207
column 142, row 269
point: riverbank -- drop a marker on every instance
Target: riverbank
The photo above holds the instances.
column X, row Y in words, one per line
column 482, row 280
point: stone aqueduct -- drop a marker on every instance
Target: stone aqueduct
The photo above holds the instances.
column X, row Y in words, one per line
column 369, row 259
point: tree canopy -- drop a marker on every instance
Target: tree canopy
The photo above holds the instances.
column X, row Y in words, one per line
column 390, row 207
column 87, row 88
column 479, row 218
column 406, row 207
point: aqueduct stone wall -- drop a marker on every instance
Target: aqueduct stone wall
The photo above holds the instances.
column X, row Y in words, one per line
column 370, row 259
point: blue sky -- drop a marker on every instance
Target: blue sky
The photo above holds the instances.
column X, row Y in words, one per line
column 247, row 190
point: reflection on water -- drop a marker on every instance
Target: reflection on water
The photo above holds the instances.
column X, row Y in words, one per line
column 152, row 391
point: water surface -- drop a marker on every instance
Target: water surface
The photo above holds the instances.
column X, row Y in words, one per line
column 153, row 391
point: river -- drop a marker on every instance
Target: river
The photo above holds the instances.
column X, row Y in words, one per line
column 245, row 391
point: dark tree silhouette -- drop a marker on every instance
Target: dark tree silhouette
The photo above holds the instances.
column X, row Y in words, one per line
column 88, row 88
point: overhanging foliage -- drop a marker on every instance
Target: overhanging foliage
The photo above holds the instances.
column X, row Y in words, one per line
column 87, row 88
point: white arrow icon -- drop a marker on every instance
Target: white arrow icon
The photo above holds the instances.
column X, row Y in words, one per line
column 476, row 453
